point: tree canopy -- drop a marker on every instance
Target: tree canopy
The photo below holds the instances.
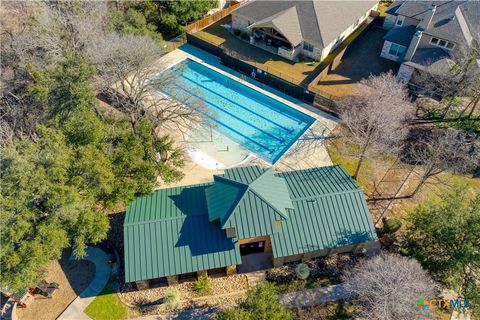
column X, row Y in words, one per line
column 167, row 17
column 58, row 184
column 387, row 286
column 261, row 304
column 445, row 237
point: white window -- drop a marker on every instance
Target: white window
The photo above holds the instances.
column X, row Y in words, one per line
column 397, row 50
column 442, row 43
column 399, row 21
column 307, row 46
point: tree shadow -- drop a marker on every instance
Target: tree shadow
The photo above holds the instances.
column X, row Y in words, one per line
column 342, row 238
column 79, row 273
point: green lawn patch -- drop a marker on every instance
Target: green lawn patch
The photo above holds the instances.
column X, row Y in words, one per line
column 469, row 124
column 107, row 306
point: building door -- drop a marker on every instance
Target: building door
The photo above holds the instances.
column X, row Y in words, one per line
column 252, row 247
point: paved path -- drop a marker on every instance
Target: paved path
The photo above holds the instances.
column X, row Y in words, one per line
column 102, row 274
column 312, row 297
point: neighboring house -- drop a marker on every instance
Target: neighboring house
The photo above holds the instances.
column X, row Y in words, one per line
column 289, row 28
column 426, row 33
column 204, row 229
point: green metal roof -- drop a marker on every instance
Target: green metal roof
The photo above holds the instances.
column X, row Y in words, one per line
column 222, row 197
column 168, row 233
column 249, row 199
column 330, row 211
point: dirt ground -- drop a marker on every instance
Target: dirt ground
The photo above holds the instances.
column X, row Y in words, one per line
column 73, row 277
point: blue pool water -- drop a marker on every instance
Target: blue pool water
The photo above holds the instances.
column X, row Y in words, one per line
column 263, row 125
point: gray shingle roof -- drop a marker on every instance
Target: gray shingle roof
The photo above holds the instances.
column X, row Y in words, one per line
column 320, row 21
column 457, row 21
column 286, row 22
column 428, row 56
column 402, row 36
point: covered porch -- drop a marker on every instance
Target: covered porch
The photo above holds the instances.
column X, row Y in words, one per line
column 273, row 41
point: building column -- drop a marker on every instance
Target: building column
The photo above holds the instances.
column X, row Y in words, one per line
column 278, row 262
column 172, row 280
column 202, row 273
column 332, row 252
column 142, row 285
column 231, row 270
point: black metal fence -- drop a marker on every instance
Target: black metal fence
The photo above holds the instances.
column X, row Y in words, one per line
column 252, row 71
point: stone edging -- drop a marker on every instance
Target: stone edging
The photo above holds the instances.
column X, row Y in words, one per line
column 184, row 300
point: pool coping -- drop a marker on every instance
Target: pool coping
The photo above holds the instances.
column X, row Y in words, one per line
column 214, row 64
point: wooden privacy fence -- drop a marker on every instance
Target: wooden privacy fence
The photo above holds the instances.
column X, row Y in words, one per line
column 208, row 20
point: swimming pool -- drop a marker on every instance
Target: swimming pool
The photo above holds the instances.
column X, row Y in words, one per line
column 263, row 125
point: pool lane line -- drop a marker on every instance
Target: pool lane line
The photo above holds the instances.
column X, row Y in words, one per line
column 232, row 115
column 241, row 85
column 235, row 103
column 229, row 128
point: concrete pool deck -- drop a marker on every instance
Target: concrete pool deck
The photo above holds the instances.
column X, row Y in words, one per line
column 308, row 151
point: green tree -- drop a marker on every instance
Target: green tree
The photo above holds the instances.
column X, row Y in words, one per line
column 65, row 87
column 170, row 16
column 261, row 304
column 445, row 237
column 132, row 21
column 42, row 212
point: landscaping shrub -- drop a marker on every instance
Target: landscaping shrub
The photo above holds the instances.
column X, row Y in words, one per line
column 244, row 36
column 171, row 298
column 236, row 32
column 391, row 226
column 261, row 304
column 302, row 271
column 201, row 286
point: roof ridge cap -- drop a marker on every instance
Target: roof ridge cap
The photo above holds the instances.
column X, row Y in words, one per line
column 269, row 203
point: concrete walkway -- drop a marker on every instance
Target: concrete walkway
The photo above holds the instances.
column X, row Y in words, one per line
column 102, row 274
column 312, row 297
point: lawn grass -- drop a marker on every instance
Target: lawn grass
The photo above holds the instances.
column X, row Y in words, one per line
column 294, row 72
column 342, row 152
column 469, row 124
column 383, row 6
column 107, row 306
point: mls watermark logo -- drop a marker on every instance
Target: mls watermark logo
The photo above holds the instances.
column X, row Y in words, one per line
column 457, row 304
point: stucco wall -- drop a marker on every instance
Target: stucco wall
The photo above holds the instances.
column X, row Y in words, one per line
column 240, row 24
column 355, row 248
column 405, row 73
column 425, row 42
column 389, row 21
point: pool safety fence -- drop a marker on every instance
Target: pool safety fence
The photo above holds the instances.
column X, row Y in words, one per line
column 254, row 71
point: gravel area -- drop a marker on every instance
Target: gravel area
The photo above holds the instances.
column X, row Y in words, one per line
column 225, row 292
column 325, row 266
column 73, row 276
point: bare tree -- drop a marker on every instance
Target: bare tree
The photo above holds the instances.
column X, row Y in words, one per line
column 125, row 65
column 388, row 286
column 127, row 72
column 440, row 151
column 35, row 35
column 451, row 79
column 376, row 115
